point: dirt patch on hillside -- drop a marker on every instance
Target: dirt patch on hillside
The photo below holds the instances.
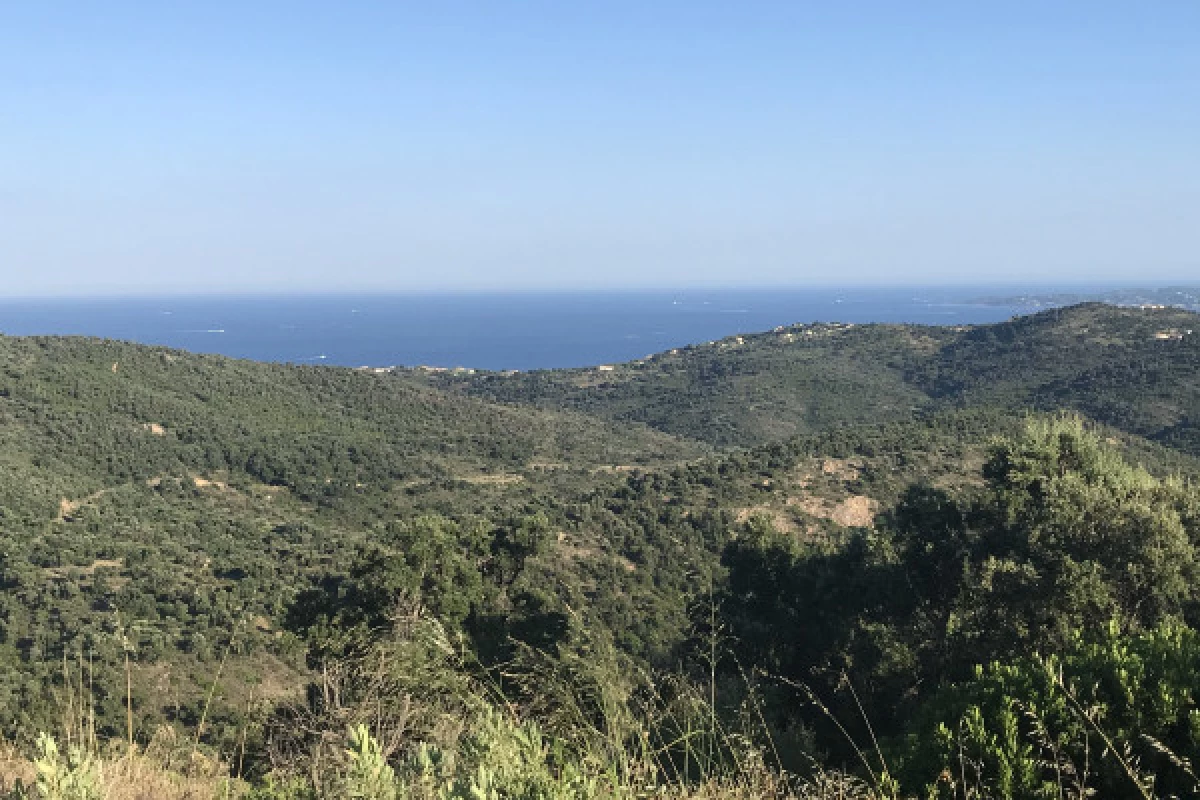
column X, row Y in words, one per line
column 843, row 469
column 572, row 549
column 67, row 508
column 87, row 573
column 779, row 519
column 206, row 483
column 493, row 479
column 548, row 466
column 90, row 569
column 856, row 511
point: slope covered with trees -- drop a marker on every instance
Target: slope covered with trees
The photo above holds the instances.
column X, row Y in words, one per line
column 171, row 503
column 905, row 573
column 1134, row 368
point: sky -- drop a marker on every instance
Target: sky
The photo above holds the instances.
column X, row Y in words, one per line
column 294, row 146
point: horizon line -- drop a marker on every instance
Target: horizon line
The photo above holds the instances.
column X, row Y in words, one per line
column 359, row 292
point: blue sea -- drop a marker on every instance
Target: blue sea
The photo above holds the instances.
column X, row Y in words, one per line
column 497, row 331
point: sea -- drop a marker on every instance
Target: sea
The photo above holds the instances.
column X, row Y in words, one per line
column 486, row 331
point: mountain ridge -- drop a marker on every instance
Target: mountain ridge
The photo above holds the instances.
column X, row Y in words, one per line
column 753, row 388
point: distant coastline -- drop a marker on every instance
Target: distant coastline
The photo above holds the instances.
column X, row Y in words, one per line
column 506, row 331
column 1187, row 297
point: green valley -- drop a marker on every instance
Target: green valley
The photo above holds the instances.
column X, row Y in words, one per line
column 821, row 556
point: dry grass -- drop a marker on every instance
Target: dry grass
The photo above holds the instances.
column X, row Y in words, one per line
column 141, row 778
column 576, row 726
column 14, row 768
column 164, row 771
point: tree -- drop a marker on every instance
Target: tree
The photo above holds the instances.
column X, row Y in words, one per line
column 1064, row 538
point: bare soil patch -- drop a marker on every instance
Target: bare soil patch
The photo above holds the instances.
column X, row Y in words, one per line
column 856, row 511
column 493, row 479
column 842, row 468
column 206, row 483
column 780, row 520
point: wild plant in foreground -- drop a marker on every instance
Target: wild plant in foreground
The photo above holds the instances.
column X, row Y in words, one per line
column 73, row 777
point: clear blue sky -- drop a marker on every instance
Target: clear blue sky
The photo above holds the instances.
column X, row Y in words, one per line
column 232, row 146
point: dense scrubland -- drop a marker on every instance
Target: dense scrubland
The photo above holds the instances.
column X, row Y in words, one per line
column 823, row 561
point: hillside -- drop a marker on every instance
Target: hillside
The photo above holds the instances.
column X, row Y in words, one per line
column 739, row 391
column 1137, row 369
column 121, row 411
column 233, row 543
column 192, row 495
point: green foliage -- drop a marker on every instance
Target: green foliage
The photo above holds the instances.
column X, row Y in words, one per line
column 516, row 598
column 744, row 390
column 369, row 776
column 1116, row 715
column 71, row 778
column 498, row 758
column 1070, row 537
column 197, row 495
column 1063, row 538
column 272, row 788
column 1106, row 362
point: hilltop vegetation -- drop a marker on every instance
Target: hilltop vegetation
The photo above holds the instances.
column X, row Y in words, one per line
column 711, row 571
column 1137, row 369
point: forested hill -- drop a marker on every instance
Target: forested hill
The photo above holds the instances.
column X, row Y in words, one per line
column 80, row 415
column 1135, row 368
column 173, row 503
column 257, row 556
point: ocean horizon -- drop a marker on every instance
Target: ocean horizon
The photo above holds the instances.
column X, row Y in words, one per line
column 479, row 330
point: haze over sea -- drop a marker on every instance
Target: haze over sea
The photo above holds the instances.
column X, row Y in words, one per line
column 495, row 331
